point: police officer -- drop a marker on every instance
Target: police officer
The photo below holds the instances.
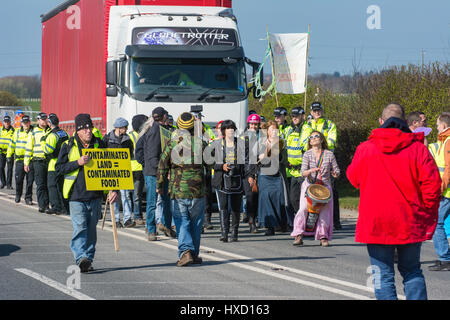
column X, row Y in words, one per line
column 34, row 153
column 6, row 136
column 17, row 149
column 52, row 145
column 328, row 129
column 280, row 115
column 295, row 150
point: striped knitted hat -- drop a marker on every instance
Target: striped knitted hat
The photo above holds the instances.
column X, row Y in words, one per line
column 185, row 121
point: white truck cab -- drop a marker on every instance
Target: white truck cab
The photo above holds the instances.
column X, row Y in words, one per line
column 176, row 57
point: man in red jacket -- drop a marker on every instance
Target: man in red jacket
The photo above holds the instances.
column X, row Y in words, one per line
column 399, row 186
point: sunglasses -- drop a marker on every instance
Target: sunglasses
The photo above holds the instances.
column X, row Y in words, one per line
column 314, row 136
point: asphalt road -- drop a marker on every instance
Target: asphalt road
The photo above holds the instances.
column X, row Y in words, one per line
column 36, row 263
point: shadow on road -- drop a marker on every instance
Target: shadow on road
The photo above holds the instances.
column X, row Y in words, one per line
column 7, row 249
column 205, row 263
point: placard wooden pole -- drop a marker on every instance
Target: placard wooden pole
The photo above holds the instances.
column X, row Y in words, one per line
column 113, row 220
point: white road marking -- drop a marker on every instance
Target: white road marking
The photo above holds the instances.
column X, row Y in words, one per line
column 267, row 264
column 56, row 285
column 255, row 269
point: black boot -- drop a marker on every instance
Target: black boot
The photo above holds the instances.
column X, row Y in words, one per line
column 207, row 221
column 224, row 224
column 234, row 225
column 252, row 225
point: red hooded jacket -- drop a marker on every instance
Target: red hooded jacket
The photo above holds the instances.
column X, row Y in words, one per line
column 400, row 188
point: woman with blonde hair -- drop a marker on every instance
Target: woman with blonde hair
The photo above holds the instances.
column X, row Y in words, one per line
column 272, row 200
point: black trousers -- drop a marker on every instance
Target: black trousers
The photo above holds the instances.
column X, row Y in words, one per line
column 40, row 177
column 55, row 185
column 139, row 183
column 251, row 199
column 336, row 209
column 208, row 193
column 6, row 180
column 20, row 175
column 235, row 203
column 294, row 194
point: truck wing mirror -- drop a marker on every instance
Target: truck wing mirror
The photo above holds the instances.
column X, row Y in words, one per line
column 255, row 66
column 111, row 91
column 111, row 73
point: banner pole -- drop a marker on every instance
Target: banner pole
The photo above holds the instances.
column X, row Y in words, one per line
column 273, row 69
column 306, row 76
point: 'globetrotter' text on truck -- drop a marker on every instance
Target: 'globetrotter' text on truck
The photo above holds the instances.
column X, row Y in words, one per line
column 119, row 58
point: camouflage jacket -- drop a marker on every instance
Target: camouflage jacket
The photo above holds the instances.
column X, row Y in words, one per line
column 186, row 176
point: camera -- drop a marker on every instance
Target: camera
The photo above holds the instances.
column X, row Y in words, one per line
column 197, row 109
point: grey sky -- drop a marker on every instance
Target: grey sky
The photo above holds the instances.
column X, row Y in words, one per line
column 340, row 39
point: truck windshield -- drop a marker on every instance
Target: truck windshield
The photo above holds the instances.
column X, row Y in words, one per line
column 188, row 80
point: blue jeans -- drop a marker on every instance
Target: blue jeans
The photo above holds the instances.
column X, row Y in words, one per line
column 126, row 206
column 150, row 183
column 440, row 237
column 159, row 209
column 84, row 216
column 188, row 216
column 382, row 260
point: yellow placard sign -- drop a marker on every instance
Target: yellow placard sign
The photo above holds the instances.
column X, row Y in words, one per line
column 108, row 169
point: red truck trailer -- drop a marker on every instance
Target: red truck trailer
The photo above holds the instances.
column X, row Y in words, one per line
column 74, row 55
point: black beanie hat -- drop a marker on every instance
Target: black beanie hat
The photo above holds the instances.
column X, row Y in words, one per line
column 137, row 121
column 82, row 121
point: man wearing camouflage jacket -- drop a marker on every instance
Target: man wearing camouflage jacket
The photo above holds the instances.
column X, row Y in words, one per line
column 186, row 187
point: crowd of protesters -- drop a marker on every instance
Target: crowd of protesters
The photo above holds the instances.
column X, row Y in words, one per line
column 264, row 172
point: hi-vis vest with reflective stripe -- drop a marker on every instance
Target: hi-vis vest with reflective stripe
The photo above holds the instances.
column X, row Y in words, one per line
column 295, row 149
column 135, row 166
column 6, row 137
column 438, row 151
column 69, row 179
column 326, row 127
column 18, row 143
column 35, row 148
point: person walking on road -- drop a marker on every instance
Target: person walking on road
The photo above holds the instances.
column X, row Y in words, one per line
column 319, row 165
column 6, row 136
column 34, row 153
column 16, row 149
column 138, row 177
column 400, row 186
column 272, row 199
column 227, row 180
column 148, row 154
column 186, row 187
column 52, row 146
column 85, row 206
column 295, row 150
column 251, row 137
column 118, row 138
column 441, row 153
column 329, row 130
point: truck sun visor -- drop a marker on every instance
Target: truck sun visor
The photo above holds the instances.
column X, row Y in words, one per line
column 145, row 51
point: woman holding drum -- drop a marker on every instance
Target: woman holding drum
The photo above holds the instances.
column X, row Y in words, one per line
column 315, row 216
